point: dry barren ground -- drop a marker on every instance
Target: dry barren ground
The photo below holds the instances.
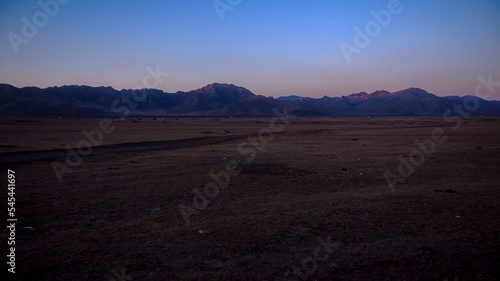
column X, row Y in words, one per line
column 310, row 202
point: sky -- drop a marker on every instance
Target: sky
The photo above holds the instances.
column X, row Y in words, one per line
column 271, row 47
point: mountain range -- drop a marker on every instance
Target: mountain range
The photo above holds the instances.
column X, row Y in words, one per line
column 221, row 100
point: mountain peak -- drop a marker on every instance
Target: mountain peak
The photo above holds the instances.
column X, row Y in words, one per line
column 210, row 88
column 415, row 91
column 218, row 88
column 224, row 90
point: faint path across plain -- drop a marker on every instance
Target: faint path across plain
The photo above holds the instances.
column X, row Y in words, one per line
column 26, row 156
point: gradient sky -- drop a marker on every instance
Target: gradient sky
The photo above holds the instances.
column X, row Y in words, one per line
column 273, row 48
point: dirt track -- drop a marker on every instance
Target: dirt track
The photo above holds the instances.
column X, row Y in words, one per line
column 23, row 156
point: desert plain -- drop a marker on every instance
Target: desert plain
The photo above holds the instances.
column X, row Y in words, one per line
column 306, row 199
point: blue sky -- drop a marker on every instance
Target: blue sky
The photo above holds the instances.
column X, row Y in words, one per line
column 273, row 48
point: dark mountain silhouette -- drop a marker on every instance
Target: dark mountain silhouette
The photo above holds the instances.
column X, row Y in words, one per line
column 220, row 100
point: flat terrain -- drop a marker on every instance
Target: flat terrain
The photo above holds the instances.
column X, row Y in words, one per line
column 306, row 202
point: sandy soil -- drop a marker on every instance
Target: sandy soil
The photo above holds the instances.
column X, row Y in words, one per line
column 310, row 203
